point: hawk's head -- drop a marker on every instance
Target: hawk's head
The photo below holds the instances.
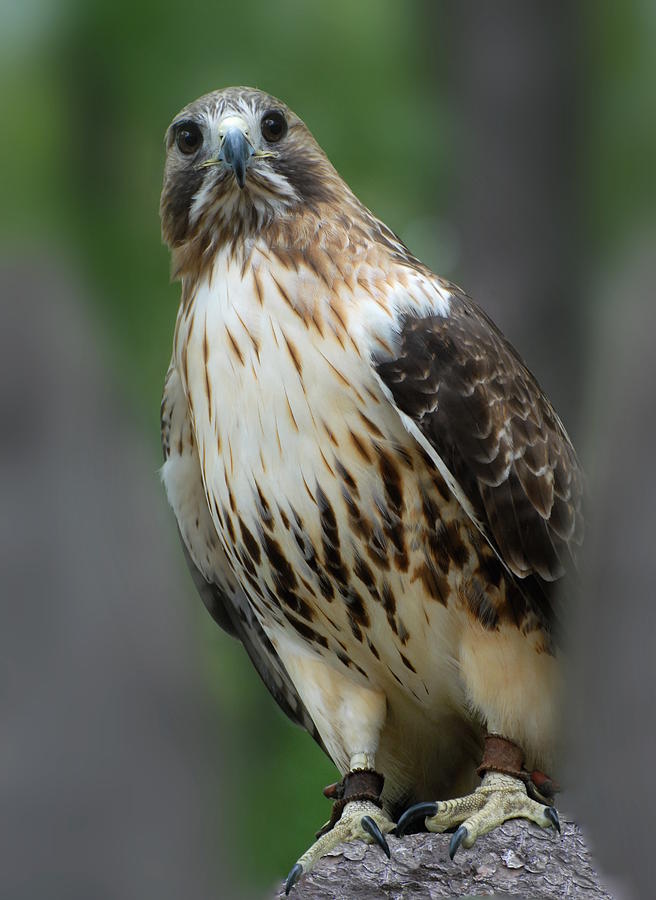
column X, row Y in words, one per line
column 237, row 160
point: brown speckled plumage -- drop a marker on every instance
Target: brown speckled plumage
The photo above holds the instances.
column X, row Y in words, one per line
column 386, row 497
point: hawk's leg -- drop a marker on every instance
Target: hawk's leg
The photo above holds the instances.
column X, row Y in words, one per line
column 506, row 792
column 358, row 815
column 349, row 717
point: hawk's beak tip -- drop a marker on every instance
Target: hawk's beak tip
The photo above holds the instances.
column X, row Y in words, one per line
column 236, row 152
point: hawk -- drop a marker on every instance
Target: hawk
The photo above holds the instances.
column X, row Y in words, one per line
column 373, row 493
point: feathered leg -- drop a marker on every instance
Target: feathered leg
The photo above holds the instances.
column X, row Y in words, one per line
column 349, row 718
column 514, row 688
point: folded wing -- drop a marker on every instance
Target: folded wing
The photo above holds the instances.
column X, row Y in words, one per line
column 468, row 396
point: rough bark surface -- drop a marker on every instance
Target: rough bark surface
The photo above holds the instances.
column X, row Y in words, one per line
column 516, row 860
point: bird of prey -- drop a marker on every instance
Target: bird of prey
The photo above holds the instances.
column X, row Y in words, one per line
column 374, row 494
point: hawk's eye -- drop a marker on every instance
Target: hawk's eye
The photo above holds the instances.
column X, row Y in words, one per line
column 273, row 126
column 188, row 137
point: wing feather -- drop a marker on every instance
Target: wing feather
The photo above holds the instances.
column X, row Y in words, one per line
column 470, row 396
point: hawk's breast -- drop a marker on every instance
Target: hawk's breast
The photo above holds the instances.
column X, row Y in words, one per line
column 345, row 537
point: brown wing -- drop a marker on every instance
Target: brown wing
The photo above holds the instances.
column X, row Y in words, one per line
column 485, row 415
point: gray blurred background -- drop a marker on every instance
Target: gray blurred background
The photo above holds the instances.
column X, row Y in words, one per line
column 512, row 146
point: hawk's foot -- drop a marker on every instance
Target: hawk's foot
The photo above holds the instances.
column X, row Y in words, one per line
column 499, row 798
column 360, row 820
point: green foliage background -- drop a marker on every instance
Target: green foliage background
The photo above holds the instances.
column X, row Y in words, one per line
column 87, row 90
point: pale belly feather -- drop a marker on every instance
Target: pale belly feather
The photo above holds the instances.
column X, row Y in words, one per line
column 325, row 508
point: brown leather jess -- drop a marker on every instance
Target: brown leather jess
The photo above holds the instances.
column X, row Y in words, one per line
column 360, row 784
column 506, row 757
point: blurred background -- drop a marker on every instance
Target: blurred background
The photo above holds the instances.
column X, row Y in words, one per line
column 512, row 145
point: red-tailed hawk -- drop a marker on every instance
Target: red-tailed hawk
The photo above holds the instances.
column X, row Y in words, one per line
column 373, row 492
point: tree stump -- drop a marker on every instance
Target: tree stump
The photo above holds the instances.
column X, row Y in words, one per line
column 516, row 860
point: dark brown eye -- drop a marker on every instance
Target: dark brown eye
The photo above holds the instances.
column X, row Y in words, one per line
column 188, row 137
column 273, row 126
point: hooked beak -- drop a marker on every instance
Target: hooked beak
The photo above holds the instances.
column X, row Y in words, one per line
column 236, row 149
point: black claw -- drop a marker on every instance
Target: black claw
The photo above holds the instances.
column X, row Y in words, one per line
column 293, row 877
column 457, row 840
column 552, row 815
column 418, row 811
column 372, row 828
